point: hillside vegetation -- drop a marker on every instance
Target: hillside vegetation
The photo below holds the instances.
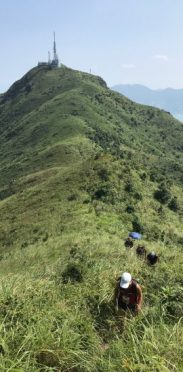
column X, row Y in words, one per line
column 81, row 166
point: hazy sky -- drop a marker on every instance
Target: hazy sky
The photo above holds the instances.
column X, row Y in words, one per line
column 123, row 41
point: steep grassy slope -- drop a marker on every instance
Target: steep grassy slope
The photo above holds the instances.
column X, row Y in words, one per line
column 62, row 104
column 81, row 166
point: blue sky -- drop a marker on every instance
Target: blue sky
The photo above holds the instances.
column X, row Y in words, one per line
column 132, row 41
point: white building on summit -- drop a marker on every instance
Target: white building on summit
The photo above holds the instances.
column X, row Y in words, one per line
column 55, row 61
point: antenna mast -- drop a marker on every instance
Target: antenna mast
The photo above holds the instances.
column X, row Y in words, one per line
column 49, row 59
column 55, row 57
column 55, row 61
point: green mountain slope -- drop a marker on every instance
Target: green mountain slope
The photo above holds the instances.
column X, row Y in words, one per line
column 48, row 107
column 81, row 166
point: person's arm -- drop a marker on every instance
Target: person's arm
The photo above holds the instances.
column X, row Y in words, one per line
column 139, row 297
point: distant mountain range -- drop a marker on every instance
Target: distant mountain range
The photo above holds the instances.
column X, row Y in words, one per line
column 168, row 99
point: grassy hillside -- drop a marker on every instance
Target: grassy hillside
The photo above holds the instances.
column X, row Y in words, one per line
column 81, row 166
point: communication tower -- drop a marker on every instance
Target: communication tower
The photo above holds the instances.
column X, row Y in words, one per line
column 55, row 61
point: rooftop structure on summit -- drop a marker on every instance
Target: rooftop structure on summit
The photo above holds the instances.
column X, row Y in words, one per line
column 55, row 61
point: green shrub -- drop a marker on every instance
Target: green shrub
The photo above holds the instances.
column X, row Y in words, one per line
column 129, row 187
column 137, row 226
column 143, row 176
column 103, row 174
column 173, row 204
column 72, row 273
column 130, row 209
column 138, row 196
column 72, row 197
column 163, row 194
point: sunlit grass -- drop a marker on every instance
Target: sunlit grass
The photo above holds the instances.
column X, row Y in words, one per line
column 79, row 168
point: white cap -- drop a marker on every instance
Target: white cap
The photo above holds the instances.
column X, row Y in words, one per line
column 125, row 280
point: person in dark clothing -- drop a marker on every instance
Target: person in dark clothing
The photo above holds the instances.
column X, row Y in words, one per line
column 128, row 294
column 129, row 243
column 152, row 258
column 141, row 251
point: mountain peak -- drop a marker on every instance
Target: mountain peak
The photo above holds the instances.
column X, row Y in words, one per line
column 47, row 76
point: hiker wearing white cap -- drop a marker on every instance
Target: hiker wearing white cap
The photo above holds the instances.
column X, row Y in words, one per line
column 128, row 294
column 152, row 258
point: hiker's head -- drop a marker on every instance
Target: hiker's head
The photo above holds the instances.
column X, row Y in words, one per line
column 152, row 258
column 129, row 242
column 125, row 280
column 152, row 255
column 141, row 251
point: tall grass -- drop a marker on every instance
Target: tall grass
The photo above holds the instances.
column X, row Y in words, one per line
column 80, row 168
column 50, row 324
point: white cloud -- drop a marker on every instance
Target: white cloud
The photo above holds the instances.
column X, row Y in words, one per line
column 128, row 65
column 161, row 57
